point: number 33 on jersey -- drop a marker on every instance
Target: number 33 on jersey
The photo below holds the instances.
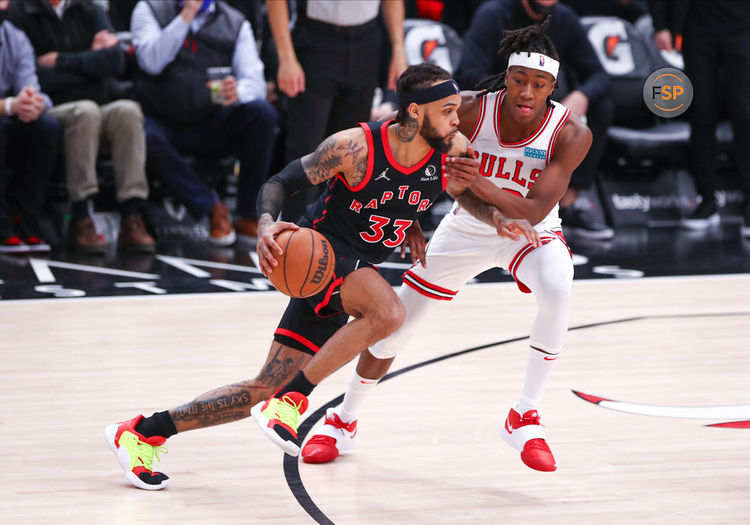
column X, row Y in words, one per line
column 387, row 201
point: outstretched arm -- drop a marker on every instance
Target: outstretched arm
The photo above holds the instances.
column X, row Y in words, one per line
column 571, row 148
column 462, row 171
column 487, row 213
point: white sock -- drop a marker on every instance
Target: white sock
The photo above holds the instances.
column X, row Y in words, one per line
column 538, row 371
column 359, row 388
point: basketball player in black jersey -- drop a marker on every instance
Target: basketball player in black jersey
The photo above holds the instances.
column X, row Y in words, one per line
column 379, row 178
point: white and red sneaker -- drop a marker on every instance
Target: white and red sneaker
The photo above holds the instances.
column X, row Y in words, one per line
column 525, row 433
column 335, row 436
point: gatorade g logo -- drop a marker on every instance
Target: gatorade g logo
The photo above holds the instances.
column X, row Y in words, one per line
column 427, row 42
column 668, row 92
column 609, row 38
column 322, row 264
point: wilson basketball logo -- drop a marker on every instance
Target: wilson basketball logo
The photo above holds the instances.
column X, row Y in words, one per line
column 668, row 92
column 321, row 270
column 306, row 265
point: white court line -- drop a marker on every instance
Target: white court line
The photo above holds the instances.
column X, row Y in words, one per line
column 705, row 412
column 180, row 263
column 582, row 282
column 45, row 275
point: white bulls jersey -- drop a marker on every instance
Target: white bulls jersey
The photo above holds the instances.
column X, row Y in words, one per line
column 513, row 167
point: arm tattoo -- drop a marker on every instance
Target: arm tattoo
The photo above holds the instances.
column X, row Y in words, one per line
column 233, row 402
column 360, row 170
column 408, row 130
column 354, row 149
column 476, row 206
column 322, row 161
column 350, row 148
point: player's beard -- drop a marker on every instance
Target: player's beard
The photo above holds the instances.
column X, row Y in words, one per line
column 433, row 138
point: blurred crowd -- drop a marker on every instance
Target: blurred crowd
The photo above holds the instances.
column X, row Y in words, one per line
column 152, row 86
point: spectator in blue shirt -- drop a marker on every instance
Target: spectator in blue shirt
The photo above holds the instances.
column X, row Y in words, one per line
column 175, row 44
column 28, row 136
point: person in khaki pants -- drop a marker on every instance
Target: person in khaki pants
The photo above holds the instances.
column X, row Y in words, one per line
column 78, row 56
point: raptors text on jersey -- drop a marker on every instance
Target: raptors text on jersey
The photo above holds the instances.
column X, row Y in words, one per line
column 372, row 218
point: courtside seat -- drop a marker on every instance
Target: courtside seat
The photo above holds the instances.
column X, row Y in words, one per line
column 663, row 140
column 219, row 174
column 644, row 175
column 628, row 54
column 666, row 141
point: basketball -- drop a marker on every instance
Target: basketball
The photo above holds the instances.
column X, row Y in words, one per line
column 306, row 266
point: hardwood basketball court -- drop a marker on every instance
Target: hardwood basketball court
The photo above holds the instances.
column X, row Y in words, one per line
column 430, row 449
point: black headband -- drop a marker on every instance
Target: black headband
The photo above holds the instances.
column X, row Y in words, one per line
column 430, row 94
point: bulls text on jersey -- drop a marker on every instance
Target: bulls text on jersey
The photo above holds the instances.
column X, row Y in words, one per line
column 494, row 166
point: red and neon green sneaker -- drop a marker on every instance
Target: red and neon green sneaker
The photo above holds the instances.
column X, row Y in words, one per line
column 136, row 454
column 278, row 418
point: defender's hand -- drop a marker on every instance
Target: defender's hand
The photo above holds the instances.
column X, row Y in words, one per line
column 461, row 172
column 515, row 229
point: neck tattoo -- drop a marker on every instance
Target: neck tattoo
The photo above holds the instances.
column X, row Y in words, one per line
column 408, row 130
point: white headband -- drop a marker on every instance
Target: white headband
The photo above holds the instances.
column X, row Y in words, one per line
column 535, row 61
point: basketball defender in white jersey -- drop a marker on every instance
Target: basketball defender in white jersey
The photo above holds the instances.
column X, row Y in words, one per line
column 528, row 147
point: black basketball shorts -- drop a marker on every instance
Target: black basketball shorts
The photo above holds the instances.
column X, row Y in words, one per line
column 308, row 323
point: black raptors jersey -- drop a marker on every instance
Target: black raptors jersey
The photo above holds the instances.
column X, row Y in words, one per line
column 372, row 218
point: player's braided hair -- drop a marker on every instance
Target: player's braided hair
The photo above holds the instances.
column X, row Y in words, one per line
column 416, row 77
column 531, row 39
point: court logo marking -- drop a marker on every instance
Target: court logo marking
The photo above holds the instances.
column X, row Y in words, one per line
column 741, row 413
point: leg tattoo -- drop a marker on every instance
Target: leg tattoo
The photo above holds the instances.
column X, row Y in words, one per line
column 233, row 402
